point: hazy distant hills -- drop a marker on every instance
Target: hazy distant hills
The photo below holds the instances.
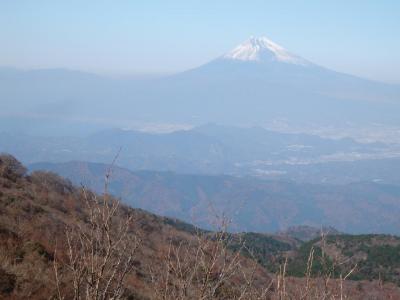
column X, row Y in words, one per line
column 254, row 205
column 214, row 149
column 252, row 84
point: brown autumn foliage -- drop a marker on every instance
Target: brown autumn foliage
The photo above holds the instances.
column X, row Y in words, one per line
column 43, row 216
column 62, row 242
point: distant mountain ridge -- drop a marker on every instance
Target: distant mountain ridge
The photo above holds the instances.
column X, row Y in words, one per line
column 216, row 149
column 255, row 82
column 254, row 205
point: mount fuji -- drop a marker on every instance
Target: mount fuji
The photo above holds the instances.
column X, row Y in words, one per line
column 255, row 82
column 260, row 80
column 264, row 50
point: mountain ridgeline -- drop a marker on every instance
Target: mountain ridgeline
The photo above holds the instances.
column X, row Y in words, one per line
column 253, row 204
column 258, row 81
column 216, row 149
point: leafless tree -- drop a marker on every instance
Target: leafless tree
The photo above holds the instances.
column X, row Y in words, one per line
column 100, row 252
column 207, row 268
column 329, row 284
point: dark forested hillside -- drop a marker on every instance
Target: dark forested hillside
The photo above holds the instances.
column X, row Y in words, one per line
column 373, row 256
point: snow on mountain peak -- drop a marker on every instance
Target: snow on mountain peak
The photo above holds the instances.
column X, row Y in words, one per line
column 263, row 49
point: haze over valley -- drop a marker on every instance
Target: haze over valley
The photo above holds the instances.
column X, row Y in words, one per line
column 257, row 112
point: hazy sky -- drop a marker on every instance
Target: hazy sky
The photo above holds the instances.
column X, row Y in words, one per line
column 358, row 37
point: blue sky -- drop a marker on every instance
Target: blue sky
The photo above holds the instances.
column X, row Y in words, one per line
column 121, row 37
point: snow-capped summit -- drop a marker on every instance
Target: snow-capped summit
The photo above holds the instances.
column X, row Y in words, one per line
column 263, row 49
